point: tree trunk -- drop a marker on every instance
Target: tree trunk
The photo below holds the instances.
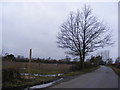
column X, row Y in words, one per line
column 81, row 63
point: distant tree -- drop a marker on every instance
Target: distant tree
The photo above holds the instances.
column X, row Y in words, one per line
column 67, row 59
column 20, row 57
column 93, row 60
column 10, row 57
column 117, row 60
column 96, row 60
column 110, row 61
column 82, row 33
column 99, row 59
column 49, row 58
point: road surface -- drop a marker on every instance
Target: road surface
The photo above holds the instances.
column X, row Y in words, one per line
column 104, row 77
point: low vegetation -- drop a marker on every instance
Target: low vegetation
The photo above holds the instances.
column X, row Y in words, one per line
column 12, row 77
column 74, row 73
column 116, row 69
column 23, row 83
column 17, row 73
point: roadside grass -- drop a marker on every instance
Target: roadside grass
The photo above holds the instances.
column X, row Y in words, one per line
column 23, row 83
column 117, row 70
column 83, row 71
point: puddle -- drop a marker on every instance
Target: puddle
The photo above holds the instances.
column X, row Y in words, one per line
column 49, row 75
column 43, row 85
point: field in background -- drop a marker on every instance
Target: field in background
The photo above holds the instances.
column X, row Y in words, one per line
column 39, row 68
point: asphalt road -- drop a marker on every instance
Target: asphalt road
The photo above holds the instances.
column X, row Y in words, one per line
column 104, row 77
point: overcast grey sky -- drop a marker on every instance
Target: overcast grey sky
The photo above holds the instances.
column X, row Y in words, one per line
column 35, row 25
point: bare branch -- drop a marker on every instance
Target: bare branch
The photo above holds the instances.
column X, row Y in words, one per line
column 83, row 33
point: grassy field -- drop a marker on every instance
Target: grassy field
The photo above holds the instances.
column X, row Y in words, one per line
column 37, row 68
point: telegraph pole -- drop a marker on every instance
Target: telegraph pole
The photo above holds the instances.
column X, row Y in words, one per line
column 30, row 57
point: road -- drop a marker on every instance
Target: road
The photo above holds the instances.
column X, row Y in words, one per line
column 104, row 77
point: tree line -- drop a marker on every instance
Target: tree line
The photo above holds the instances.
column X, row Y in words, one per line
column 97, row 60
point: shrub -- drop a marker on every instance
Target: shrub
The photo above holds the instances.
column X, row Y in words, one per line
column 78, row 66
column 75, row 67
column 10, row 74
column 88, row 65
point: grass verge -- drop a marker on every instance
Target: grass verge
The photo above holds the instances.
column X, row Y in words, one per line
column 117, row 70
column 23, row 83
column 80, row 72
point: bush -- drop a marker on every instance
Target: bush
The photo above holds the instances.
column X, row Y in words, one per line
column 10, row 74
column 88, row 65
column 74, row 68
column 78, row 66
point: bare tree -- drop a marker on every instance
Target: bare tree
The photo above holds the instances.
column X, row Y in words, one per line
column 82, row 33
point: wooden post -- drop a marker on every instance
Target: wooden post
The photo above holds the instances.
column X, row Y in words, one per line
column 30, row 57
column 57, row 70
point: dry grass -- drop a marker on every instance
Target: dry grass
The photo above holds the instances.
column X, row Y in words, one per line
column 80, row 72
column 23, row 83
column 117, row 70
column 37, row 67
